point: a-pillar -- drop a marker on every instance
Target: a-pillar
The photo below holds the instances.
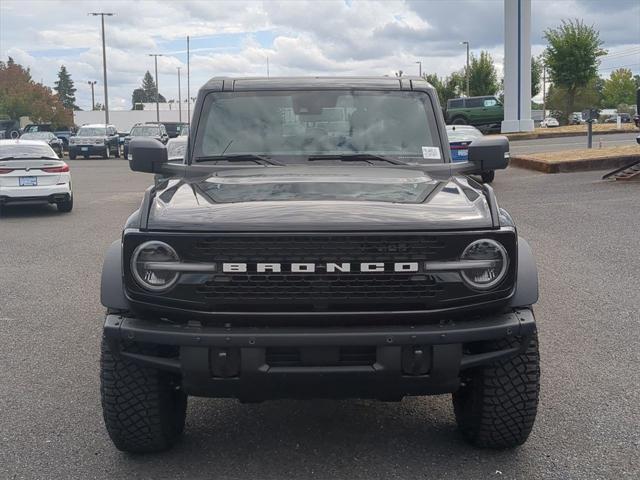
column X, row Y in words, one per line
column 517, row 66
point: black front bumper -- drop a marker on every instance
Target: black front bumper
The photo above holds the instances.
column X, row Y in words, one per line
column 91, row 150
column 255, row 364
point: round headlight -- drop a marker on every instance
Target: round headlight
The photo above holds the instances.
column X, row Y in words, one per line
column 495, row 256
column 146, row 266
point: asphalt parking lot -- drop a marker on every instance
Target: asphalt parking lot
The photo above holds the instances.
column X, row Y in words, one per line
column 585, row 234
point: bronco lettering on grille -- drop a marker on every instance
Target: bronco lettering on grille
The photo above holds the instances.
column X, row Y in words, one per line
column 366, row 267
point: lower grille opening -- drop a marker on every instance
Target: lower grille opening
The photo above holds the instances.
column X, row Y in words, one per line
column 320, row 356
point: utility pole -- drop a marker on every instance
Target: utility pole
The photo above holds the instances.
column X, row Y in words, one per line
column 93, row 98
column 188, row 87
column 467, row 70
column 179, row 99
column 419, row 67
column 544, row 91
column 155, row 59
column 104, row 65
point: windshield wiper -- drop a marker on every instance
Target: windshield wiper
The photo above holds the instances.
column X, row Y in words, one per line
column 242, row 157
column 356, row 157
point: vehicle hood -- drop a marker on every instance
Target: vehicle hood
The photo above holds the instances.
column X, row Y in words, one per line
column 317, row 199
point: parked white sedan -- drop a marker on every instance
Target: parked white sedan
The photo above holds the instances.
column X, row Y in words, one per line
column 549, row 122
column 31, row 172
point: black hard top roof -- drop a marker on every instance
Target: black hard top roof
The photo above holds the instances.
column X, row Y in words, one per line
column 314, row 83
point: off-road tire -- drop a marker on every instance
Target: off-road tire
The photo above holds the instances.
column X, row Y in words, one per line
column 72, row 156
column 117, row 151
column 488, row 177
column 497, row 405
column 459, row 121
column 143, row 409
column 65, row 206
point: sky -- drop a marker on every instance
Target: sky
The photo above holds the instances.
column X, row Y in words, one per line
column 332, row 37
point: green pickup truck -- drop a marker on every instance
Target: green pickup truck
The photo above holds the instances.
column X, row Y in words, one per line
column 475, row 111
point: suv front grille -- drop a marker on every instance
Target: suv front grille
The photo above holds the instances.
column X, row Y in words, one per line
column 321, row 291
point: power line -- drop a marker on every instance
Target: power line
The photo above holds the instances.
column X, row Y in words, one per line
column 622, row 53
column 619, row 66
column 620, row 56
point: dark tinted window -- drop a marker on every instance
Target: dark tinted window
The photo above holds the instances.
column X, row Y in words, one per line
column 457, row 103
column 475, row 102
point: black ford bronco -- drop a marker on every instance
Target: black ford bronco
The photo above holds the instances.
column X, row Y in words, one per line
column 317, row 241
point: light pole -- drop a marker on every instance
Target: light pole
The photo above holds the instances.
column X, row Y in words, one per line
column 544, row 90
column 179, row 99
column 104, row 65
column 419, row 67
column 467, row 71
column 155, row 59
column 188, row 87
column 93, row 98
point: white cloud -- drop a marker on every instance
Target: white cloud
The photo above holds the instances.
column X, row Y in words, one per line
column 318, row 37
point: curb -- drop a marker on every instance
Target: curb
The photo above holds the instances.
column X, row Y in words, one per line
column 601, row 163
column 514, row 137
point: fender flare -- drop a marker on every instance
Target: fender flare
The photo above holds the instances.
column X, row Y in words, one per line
column 111, row 288
column 527, row 279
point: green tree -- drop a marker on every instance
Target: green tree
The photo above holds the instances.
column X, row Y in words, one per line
column 483, row 79
column 20, row 96
column 446, row 87
column 584, row 97
column 636, row 79
column 572, row 58
column 619, row 88
column 65, row 89
column 536, row 75
column 146, row 93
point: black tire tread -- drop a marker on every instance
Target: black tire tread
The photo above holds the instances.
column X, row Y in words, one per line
column 497, row 409
column 142, row 411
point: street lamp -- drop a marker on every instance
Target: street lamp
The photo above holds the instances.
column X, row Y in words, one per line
column 93, row 98
column 155, row 59
column 467, row 71
column 419, row 67
column 179, row 98
column 104, row 66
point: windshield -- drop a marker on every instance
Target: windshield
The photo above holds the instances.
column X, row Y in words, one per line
column 92, row 132
column 324, row 122
column 37, row 136
column 26, row 151
column 145, row 132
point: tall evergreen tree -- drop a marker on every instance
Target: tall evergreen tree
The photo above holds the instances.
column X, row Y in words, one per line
column 146, row 93
column 65, row 89
column 149, row 86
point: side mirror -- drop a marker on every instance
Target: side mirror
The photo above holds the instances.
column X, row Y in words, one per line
column 147, row 155
column 489, row 153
